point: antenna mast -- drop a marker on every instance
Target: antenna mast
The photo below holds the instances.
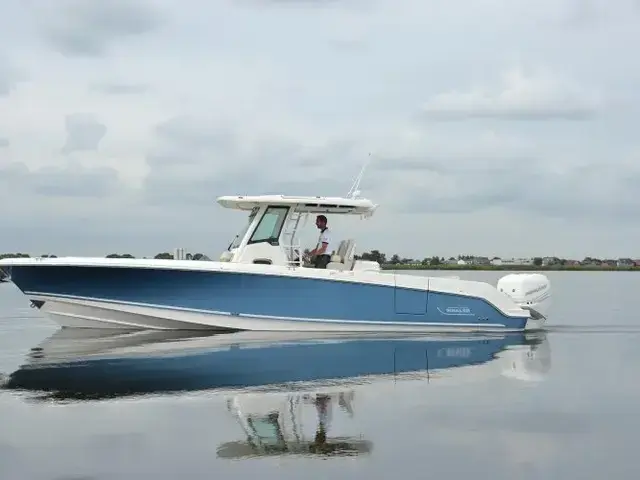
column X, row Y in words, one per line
column 354, row 191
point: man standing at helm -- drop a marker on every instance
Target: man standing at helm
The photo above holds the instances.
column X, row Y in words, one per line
column 321, row 255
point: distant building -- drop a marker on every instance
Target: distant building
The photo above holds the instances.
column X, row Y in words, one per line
column 548, row 261
column 480, row 261
column 516, row 261
column 181, row 254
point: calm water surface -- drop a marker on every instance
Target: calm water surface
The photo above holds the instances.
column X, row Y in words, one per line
column 563, row 407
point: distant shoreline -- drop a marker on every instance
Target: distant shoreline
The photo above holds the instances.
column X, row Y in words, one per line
column 498, row 268
column 481, row 268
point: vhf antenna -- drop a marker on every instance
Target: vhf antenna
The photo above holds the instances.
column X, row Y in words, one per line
column 354, row 191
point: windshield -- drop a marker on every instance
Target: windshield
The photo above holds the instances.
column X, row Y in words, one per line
column 238, row 238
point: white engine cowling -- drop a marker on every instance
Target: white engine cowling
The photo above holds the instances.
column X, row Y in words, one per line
column 529, row 290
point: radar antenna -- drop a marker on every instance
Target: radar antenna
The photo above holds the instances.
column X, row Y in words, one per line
column 354, row 191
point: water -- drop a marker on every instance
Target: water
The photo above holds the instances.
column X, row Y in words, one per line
column 565, row 407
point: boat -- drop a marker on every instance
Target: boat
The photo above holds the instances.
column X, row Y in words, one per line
column 262, row 283
column 92, row 364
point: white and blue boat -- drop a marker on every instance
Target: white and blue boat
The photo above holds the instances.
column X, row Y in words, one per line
column 261, row 283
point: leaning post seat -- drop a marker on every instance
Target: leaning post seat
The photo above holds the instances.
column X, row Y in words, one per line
column 342, row 258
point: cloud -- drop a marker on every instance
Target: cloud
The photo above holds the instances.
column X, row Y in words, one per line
column 567, row 196
column 185, row 104
column 10, row 76
column 195, row 133
column 88, row 29
column 596, row 14
column 320, row 3
column 4, row 142
column 197, row 158
column 539, row 96
column 72, row 181
column 121, row 88
column 306, row 3
column 586, row 192
column 84, row 132
column 457, row 185
column 570, row 193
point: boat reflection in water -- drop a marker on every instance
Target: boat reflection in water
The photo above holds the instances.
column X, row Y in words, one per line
column 274, row 424
column 273, row 380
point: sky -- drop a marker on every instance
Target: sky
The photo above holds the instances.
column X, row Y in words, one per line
column 493, row 127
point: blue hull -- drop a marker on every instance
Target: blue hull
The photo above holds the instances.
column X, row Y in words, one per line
column 273, row 364
column 260, row 295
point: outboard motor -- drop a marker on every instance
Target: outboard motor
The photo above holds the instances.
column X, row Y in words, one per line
column 531, row 291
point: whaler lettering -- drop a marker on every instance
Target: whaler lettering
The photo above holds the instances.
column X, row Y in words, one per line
column 458, row 310
column 537, row 289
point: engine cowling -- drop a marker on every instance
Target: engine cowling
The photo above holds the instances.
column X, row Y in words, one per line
column 529, row 290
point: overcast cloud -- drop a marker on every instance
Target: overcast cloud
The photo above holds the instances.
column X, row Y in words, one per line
column 495, row 127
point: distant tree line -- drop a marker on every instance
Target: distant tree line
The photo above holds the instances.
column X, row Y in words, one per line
column 162, row 255
column 395, row 259
column 381, row 258
column 19, row 255
column 374, row 255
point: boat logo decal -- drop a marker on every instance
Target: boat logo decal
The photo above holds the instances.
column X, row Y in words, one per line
column 466, row 311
